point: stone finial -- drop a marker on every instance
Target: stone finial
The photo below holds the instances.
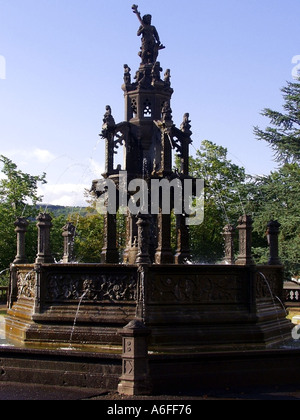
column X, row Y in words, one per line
column 228, row 234
column 44, row 249
column 69, row 233
column 21, row 225
column 245, row 240
column 272, row 234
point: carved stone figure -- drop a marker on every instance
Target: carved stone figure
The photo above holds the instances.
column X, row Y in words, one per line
column 108, row 120
column 167, row 78
column 166, row 112
column 127, row 75
column 150, row 39
column 186, row 124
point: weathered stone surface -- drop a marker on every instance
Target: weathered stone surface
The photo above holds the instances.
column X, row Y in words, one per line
column 21, row 225
column 44, row 224
column 183, row 305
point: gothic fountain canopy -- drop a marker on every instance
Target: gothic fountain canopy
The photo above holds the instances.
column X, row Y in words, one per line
column 149, row 140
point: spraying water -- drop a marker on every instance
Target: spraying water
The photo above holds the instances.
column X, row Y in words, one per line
column 75, row 320
column 274, row 297
column 4, row 271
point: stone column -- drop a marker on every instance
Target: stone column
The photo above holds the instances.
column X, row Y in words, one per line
column 131, row 250
column 13, row 286
column 183, row 252
column 21, row 228
column 44, row 250
column 245, row 241
column 135, row 366
column 228, row 233
column 110, row 253
column 166, row 146
column 69, row 232
column 164, row 254
column 109, row 153
column 38, row 290
column 273, row 233
column 143, row 224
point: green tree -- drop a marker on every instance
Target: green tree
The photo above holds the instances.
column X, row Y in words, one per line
column 277, row 197
column 18, row 190
column 18, row 197
column 225, row 197
column 89, row 239
column 284, row 133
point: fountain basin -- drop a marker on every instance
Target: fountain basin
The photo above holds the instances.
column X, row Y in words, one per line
column 192, row 308
column 211, row 326
column 171, row 373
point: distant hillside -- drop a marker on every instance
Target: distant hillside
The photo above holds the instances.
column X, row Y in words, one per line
column 62, row 210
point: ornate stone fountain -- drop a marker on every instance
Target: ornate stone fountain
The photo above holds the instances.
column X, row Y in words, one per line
column 182, row 308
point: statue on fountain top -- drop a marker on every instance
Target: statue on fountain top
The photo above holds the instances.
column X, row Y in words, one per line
column 150, row 39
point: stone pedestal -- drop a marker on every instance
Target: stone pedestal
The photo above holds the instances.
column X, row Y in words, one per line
column 273, row 233
column 44, row 249
column 21, row 228
column 135, row 368
column 245, row 241
column 69, row 232
column 228, row 234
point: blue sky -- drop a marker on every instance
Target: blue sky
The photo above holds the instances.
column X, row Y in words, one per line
column 64, row 62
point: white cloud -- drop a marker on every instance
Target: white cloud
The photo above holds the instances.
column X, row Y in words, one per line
column 27, row 156
column 64, row 194
column 66, row 181
column 43, row 156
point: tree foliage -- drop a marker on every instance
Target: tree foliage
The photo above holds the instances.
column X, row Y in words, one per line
column 277, row 195
column 19, row 190
column 224, row 199
column 284, row 133
column 89, row 238
column 18, row 197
